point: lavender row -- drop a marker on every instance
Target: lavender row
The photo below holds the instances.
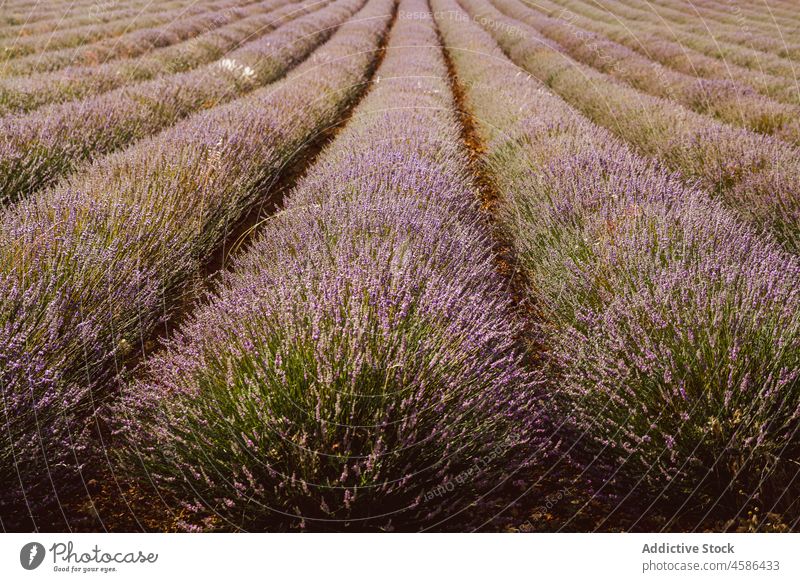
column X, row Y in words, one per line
column 78, row 82
column 725, row 100
column 758, row 176
column 65, row 38
column 90, row 267
column 778, row 12
column 667, row 51
column 359, row 357
column 734, row 25
column 672, row 330
column 40, row 147
column 162, row 30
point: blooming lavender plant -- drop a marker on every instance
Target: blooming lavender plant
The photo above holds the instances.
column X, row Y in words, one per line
column 39, row 148
column 672, row 329
column 89, row 267
column 359, row 355
column 78, row 82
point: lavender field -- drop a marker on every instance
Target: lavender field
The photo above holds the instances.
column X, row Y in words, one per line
column 400, row 265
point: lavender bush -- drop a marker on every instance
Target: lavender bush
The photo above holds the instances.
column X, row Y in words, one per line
column 39, row 148
column 88, row 268
column 672, row 330
column 78, row 82
column 359, row 357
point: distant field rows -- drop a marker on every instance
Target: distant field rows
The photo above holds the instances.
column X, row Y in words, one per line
column 79, row 81
column 172, row 27
column 727, row 101
column 685, row 23
column 671, row 53
column 757, row 176
column 776, row 33
column 49, row 143
column 26, row 42
column 96, row 13
column 704, row 43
